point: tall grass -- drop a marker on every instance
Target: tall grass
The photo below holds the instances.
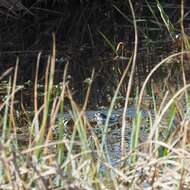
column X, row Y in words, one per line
column 69, row 154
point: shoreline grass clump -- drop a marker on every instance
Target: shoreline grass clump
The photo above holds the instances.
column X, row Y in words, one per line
column 53, row 158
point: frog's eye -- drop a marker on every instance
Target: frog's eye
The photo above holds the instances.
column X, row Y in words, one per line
column 177, row 36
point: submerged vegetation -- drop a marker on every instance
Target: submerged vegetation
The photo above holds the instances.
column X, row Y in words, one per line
column 54, row 133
